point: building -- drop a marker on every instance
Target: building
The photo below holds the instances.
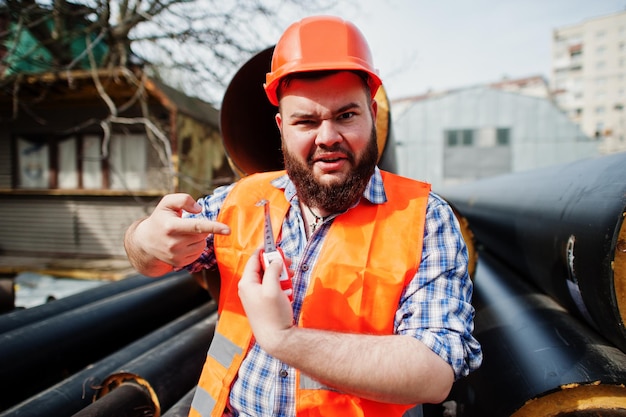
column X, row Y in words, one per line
column 588, row 77
column 83, row 154
column 472, row 133
column 88, row 144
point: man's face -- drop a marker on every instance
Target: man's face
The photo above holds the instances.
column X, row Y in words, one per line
column 328, row 138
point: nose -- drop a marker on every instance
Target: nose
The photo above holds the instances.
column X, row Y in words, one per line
column 328, row 134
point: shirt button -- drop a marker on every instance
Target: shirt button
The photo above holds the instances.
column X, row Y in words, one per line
column 283, row 373
column 305, row 267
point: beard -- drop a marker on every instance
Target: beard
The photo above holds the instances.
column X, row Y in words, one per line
column 337, row 196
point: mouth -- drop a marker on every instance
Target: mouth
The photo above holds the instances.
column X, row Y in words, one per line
column 330, row 157
column 328, row 160
column 330, row 165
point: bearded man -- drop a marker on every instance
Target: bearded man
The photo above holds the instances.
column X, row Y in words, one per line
column 377, row 317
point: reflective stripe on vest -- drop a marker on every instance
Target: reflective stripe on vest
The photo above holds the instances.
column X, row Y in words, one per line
column 367, row 258
column 222, row 352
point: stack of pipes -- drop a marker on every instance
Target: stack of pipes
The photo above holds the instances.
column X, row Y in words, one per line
column 550, row 290
column 132, row 347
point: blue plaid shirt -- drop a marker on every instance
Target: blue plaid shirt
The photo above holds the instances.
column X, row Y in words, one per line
column 435, row 307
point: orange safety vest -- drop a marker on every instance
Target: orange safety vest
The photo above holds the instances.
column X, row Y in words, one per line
column 368, row 256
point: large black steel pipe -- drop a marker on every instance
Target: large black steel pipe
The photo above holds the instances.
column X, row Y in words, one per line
column 539, row 360
column 169, row 370
column 128, row 400
column 563, row 227
column 35, row 356
column 77, row 391
column 254, row 146
column 17, row 318
column 182, row 406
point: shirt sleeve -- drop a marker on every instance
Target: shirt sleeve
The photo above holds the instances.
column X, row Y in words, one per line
column 436, row 306
column 210, row 209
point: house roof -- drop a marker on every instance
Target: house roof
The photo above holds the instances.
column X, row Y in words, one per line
column 191, row 106
column 504, row 84
column 520, row 82
column 120, row 84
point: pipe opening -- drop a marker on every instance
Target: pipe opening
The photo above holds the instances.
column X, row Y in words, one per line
column 619, row 269
column 578, row 401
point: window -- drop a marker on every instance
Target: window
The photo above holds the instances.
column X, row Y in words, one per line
column 451, row 138
column 485, row 137
column 92, row 163
column 468, row 137
column 80, row 162
column 33, row 163
column 599, row 129
column 128, row 162
column 576, row 50
column 503, row 136
column 459, row 137
column 68, row 163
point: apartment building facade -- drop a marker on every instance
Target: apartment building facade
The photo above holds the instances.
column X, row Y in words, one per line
column 589, row 77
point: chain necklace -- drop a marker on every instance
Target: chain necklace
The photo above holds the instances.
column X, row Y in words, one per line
column 318, row 220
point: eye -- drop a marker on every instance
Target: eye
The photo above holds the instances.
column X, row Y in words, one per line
column 346, row 116
column 305, row 123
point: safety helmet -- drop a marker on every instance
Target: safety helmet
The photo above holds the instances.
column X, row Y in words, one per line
column 320, row 43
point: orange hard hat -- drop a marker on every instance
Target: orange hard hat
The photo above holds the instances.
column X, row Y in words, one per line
column 320, row 43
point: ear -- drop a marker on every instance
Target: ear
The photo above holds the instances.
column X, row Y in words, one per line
column 374, row 108
column 279, row 122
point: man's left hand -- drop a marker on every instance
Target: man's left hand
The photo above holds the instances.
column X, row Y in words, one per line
column 267, row 306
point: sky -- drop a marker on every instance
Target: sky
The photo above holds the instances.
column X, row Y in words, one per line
column 443, row 44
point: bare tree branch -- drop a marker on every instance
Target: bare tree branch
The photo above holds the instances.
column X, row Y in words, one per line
column 202, row 41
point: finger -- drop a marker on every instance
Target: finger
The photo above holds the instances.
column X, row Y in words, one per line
column 275, row 266
column 252, row 270
column 202, row 226
column 271, row 277
column 179, row 202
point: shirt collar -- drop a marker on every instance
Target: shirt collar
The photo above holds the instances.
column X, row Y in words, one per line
column 374, row 191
